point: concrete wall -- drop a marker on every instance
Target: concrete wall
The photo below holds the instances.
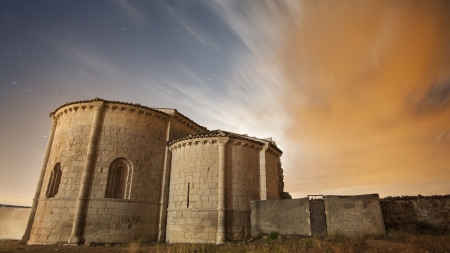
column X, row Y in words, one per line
column 287, row 217
column 354, row 215
column 13, row 221
column 417, row 212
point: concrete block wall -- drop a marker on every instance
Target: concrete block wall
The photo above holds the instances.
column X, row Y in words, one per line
column 345, row 215
column 287, row 217
column 13, row 221
column 354, row 215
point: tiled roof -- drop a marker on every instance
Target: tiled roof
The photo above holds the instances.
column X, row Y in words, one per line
column 126, row 103
column 221, row 133
column 106, row 101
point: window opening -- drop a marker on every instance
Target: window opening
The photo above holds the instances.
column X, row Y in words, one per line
column 119, row 179
column 188, row 188
column 55, row 179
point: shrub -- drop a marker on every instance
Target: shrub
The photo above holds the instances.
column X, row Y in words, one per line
column 272, row 236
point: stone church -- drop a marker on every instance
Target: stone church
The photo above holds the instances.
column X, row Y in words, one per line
column 118, row 172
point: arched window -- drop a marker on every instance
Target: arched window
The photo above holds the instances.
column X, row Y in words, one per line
column 119, row 179
column 53, row 183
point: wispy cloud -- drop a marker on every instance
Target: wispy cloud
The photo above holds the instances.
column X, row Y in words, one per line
column 89, row 60
column 131, row 12
column 190, row 26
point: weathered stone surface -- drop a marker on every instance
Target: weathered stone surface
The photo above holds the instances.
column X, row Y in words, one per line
column 287, row 217
column 116, row 166
column 354, row 215
column 194, row 199
column 416, row 212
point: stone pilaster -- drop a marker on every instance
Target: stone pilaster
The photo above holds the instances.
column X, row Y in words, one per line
column 76, row 235
column 26, row 235
column 164, row 201
column 221, row 219
column 262, row 173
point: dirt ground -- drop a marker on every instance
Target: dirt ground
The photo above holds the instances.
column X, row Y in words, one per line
column 261, row 245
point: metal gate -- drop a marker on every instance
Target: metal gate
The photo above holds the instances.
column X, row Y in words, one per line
column 317, row 215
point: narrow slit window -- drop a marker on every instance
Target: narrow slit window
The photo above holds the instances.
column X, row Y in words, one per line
column 188, row 188
column 53, row 183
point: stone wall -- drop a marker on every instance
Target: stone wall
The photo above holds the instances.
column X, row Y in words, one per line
column 194, row 207
column 287, row 217
column 120, row 221
column 54, row 220
column 193, row 196
column 178, row 129
column 126, row 132
column 13, row 221
column 354, row 215
column 138, row 137
column 54, row 216
column 116, row 172
column 272, row 173
column 242, row 186
column 416, row 212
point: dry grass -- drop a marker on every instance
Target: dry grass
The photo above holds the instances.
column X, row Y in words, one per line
column 396, row 241
column 281, row 244
column 421, row 242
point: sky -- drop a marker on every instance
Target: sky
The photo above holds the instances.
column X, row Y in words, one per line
column 355, row 93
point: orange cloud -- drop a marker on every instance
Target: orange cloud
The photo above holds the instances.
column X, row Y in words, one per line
column 368, row 90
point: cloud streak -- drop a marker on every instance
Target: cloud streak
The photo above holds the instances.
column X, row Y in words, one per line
column 131, row 12
column 353, row 86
